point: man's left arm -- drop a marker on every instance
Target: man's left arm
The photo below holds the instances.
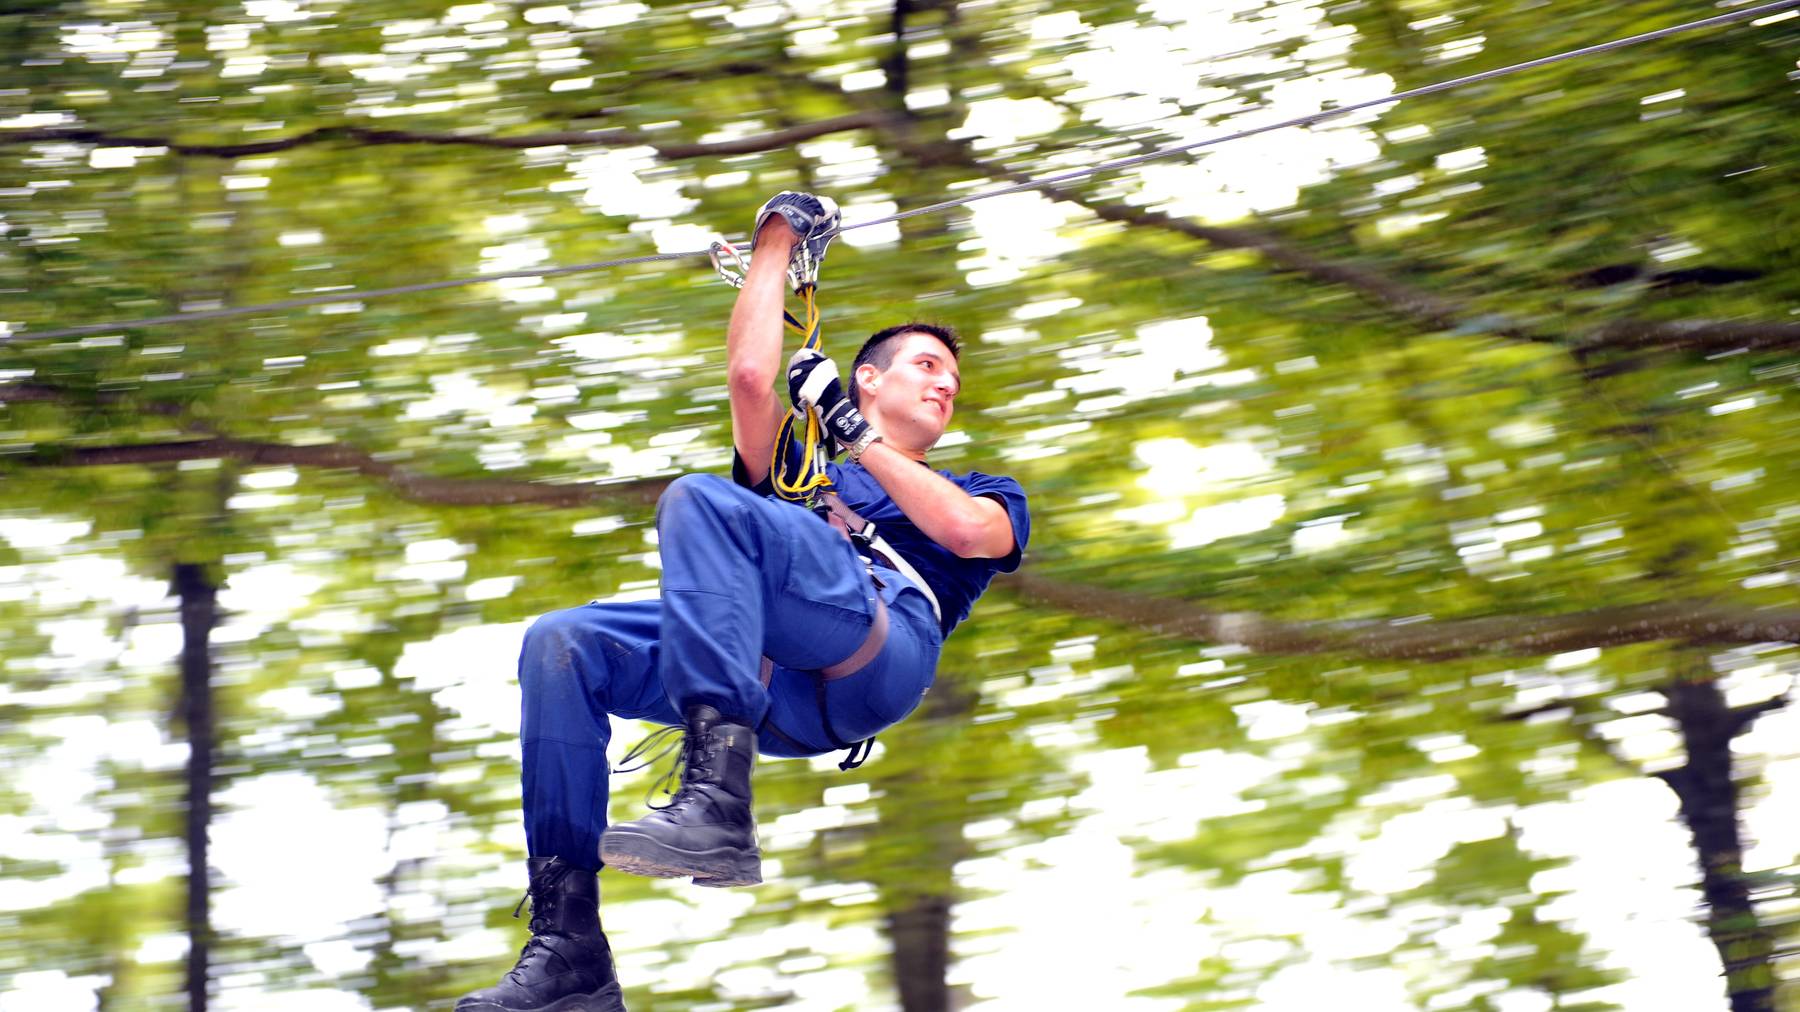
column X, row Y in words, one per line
column 973, row 527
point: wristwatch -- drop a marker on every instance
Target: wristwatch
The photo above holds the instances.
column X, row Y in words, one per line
column 856, row 449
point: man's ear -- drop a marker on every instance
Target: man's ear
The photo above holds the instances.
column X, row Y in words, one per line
column 866, row 377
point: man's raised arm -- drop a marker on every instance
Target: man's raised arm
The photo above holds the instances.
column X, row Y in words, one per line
column 753, row 348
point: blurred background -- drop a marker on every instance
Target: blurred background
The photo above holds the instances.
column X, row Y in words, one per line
column 1409, row 618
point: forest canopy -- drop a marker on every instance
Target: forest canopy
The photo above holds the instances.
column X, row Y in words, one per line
column 1409, row 611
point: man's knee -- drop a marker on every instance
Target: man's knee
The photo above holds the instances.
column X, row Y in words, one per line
column 549, row 649
column 556, row 627
column 697, row 494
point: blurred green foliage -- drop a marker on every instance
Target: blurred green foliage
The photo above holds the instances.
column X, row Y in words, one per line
column 1427, row 364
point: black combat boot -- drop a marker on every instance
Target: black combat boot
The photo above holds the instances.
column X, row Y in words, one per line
column 707, row 830
column 567, row 966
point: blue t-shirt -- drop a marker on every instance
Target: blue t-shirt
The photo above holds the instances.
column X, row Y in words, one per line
column 956, row 581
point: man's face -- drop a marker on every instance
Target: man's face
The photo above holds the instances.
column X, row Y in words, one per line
column 911, row 402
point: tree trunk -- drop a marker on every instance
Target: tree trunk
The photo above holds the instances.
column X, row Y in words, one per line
column 1709, row 806
column 920, row 935
column 918, row 921
column 199, row 615
column 918, row 926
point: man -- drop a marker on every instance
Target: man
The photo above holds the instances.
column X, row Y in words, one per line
column 775, row 631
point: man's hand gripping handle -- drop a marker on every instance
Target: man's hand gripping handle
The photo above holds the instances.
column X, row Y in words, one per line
column 813, row 383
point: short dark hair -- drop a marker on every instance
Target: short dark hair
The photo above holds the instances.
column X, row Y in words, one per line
column 879, row 349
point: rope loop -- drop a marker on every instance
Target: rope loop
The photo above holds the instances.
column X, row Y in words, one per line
column 803, row 480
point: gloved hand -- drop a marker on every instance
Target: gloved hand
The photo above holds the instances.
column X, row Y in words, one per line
column 813, row 383
column 813, row 218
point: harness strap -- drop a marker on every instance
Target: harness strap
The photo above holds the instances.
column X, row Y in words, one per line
column 858, row 752
column 858, row 659
column 863, row 533
column 768, row 725
column 871, row 645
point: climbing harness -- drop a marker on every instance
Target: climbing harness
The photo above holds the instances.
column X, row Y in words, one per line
column 872, row 547
column 875, row 552
column 871, row 645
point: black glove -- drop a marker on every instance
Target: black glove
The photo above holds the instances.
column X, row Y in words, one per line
column 813, row 383
column 815, row 219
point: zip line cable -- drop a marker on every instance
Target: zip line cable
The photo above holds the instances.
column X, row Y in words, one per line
column 338, row 297
column 1034, row 184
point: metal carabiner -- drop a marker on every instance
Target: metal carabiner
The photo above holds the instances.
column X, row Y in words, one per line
column 735, row 272
column 803, row 269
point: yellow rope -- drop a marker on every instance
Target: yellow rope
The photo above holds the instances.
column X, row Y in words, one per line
column 801, row 482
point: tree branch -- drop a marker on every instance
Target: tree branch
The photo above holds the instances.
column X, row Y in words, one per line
column 1580, row 721
column 1422, row 307
column 406, row 484
column 1697, row 623
column 1743, row 716
column 1694, row 335
column 1432, row 311
column 45, row 393
column 1437, row 313
column 1582, row 724
column 33, row 392
column 771, row 68
column 1693, row 622
column 1426, row 309
column 604, row 138
column 1521, row 716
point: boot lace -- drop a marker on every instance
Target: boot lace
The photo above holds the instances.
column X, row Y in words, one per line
column 669, row 739
column 549, row 879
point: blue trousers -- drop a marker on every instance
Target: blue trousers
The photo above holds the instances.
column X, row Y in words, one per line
column 743, row 577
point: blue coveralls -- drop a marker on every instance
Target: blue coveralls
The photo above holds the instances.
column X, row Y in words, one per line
column 743, row 577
